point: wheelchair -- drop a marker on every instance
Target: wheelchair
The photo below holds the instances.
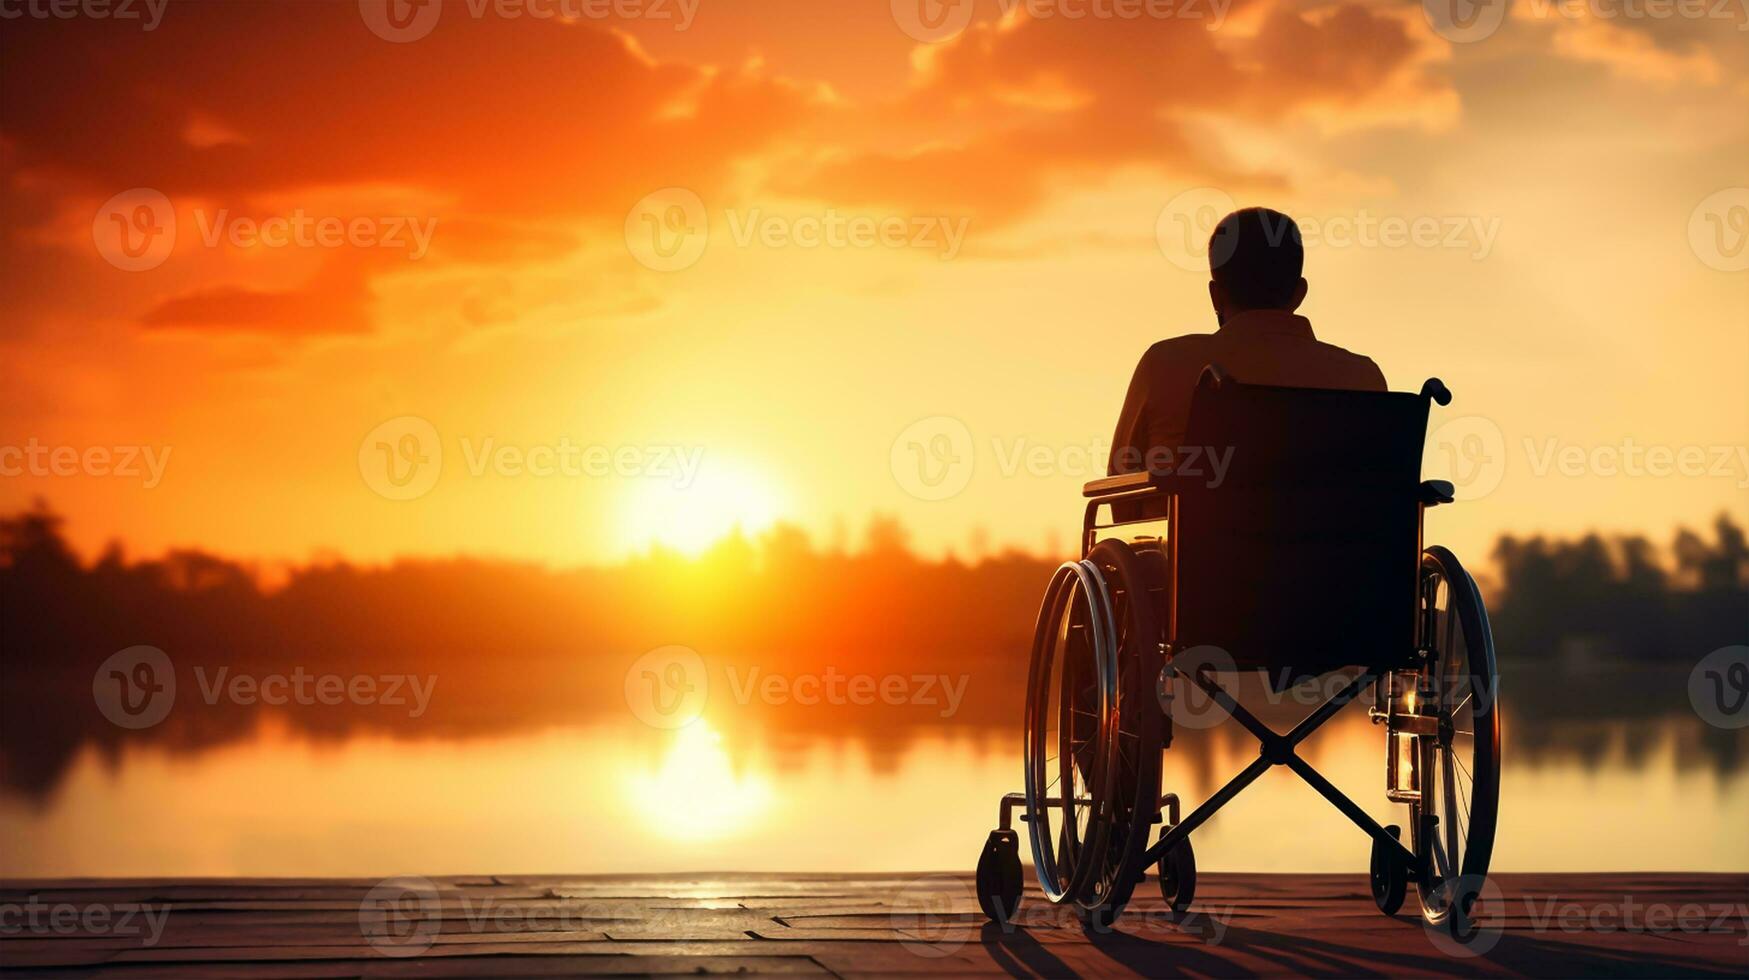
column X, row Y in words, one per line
column 1304, row 558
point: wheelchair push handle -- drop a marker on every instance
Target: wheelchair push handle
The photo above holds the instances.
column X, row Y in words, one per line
column 1435, row 389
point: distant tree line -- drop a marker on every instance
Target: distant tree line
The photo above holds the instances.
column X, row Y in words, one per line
column 516, row 646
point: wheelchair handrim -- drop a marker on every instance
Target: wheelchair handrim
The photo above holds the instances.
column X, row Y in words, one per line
column 1048, row 639
column 1442, row 783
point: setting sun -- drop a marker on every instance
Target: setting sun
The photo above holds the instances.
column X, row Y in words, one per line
column 689, row 516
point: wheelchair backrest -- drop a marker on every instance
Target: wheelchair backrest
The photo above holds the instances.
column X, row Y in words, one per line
column 1303, row 555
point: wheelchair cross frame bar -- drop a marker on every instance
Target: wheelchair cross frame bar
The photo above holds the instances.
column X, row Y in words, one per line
column 1278, row 750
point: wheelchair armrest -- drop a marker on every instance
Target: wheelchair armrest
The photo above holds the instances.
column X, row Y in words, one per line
column 1436, row 492
column 1113, row 485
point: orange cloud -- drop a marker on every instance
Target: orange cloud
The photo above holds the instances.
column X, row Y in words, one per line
column 521, row 137
column 1017, row 102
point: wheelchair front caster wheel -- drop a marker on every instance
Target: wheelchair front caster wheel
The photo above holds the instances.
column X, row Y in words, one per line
column 999, row 880
column 1178, row 875
column 1389, row 878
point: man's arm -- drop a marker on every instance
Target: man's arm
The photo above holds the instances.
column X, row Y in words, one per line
column 1129, row 444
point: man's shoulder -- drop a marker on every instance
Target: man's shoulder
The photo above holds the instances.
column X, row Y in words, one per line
column 1182, row 357
column 1364, row 371
column 1173, row 348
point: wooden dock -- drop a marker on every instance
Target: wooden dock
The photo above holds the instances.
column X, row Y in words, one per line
column 1543, row 925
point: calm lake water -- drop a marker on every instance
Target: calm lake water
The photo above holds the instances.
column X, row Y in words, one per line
column 627, row 798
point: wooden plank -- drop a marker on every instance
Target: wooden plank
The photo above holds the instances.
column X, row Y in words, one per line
column 857, row 925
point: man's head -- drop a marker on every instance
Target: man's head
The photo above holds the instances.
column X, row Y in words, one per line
column 1255, row 261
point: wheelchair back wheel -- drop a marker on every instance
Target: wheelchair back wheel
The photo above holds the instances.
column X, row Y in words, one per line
column 1093, row 730
column 1135, row 582
column 1070, row 691
column 1453, row 821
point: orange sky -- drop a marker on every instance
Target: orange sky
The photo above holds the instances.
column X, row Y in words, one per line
column 644, row 275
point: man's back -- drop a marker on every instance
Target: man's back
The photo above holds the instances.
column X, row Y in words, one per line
column 1259, row 346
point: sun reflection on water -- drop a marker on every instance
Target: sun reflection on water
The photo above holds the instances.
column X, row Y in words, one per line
column 695, row 792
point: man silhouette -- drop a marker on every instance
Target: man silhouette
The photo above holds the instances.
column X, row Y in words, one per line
column 1255, row 264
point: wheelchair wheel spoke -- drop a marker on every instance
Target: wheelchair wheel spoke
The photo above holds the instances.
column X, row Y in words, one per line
column 1451, row 809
